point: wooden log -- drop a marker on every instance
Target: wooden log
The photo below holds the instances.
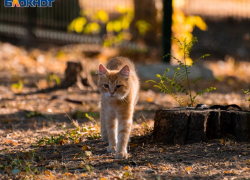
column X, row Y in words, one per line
column 181, row 126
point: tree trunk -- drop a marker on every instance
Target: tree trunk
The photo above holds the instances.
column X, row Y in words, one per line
column 145, row 10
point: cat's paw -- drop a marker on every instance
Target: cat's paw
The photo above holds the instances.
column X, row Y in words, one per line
column 121, row 155
column 111, row 149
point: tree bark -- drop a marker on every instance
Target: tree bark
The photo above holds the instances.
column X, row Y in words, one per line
column 181, row 126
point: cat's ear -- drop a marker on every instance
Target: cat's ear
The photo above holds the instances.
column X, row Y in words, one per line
column 125, row 71
column 102, row 70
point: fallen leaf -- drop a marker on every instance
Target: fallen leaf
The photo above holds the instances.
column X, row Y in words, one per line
column 62, row 142
column 189, row 168
column 67, row 174
column 84, row 175
column 85, row 147
column 134, row 145
column 149, row 99
column 81, row 165
column 88, row 167
column 103, row 179
column 47, row 172
column 126, row 174
column 10, row 141
column 88, row 153
column 126, row 168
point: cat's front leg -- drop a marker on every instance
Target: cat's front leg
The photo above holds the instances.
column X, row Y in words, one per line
column 110, row 122
column 124, row 129
column 103, row 126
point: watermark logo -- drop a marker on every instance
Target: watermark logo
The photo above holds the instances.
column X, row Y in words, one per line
column 28, row 3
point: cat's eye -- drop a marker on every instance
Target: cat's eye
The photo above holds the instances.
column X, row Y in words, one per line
column 118, row 86
column 106, row 85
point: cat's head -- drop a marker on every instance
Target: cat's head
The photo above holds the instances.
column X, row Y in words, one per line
column 114, row 83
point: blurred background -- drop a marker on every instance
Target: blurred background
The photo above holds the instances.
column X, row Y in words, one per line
column 220, row 25
column 36, row 43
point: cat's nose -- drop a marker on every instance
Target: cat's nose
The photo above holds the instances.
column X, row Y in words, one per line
column 112, row 93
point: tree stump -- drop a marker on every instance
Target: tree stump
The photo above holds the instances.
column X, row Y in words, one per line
column 181, row 125
column 78, row 73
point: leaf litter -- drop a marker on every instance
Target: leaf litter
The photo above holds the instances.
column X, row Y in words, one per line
column 45, row 138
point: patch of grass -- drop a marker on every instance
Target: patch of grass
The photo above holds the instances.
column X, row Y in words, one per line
column 21, row 164
column 33, row 114
column 81, row 114
column 70, row 136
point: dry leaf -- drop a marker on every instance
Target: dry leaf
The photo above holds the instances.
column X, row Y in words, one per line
column 85, row 147
column 81, row 165
column 149, row 99
column 148, row 164
column 103, row 179
column 10, row 141
column 84, row 175
column 67, row 174
column 47, row 172
column 189, row 168
column 126, row 168
column 134, row 145
column 88, row 153
column 62, row 142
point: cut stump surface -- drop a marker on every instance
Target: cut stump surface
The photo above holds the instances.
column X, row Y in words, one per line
column 181, row 125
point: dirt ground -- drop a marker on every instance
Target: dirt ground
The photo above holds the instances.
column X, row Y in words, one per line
column 43, row 136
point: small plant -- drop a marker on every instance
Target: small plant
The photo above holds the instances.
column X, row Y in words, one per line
column 17, row 87
column 53, row 78
column 181, row 83
column 33, row 114
column 247, row 92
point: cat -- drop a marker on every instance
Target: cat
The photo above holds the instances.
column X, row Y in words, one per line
column 119, row 87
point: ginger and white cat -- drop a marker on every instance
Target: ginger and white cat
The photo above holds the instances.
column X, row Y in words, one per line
column 119, row 87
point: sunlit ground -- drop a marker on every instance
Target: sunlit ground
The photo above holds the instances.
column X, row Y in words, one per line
column 50, row 138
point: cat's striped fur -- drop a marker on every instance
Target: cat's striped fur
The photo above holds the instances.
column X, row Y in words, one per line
column 119, row 87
